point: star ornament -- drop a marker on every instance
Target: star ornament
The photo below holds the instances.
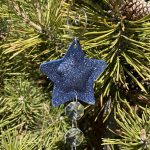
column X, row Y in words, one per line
column 73, row 75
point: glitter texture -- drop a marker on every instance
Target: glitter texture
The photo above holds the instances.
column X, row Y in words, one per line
column 73, row 75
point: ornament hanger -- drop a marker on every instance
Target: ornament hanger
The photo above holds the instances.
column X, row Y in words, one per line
column 77, row 19
column 73, row 77
column 74, row 110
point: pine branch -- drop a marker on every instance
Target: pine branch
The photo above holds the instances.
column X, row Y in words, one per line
column 134, row 128
column 20, row 12
column 37, row 6
column 139, row 96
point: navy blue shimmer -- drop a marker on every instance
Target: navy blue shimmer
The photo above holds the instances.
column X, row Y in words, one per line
column 73, row 75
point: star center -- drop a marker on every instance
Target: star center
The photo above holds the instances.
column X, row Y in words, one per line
column 73, row 75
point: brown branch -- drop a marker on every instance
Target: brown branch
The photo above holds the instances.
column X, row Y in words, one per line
column 37, row 6
column 25, row 18
column 139, row 96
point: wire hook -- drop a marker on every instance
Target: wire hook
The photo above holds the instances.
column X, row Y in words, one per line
column 77, row 19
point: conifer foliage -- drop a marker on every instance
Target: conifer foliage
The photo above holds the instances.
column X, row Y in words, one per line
column 33, row 31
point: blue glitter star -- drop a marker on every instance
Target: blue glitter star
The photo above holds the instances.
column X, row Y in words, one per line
column 73, row 75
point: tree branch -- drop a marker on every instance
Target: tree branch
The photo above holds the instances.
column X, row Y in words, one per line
column 25, row 18
column 37, row 6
